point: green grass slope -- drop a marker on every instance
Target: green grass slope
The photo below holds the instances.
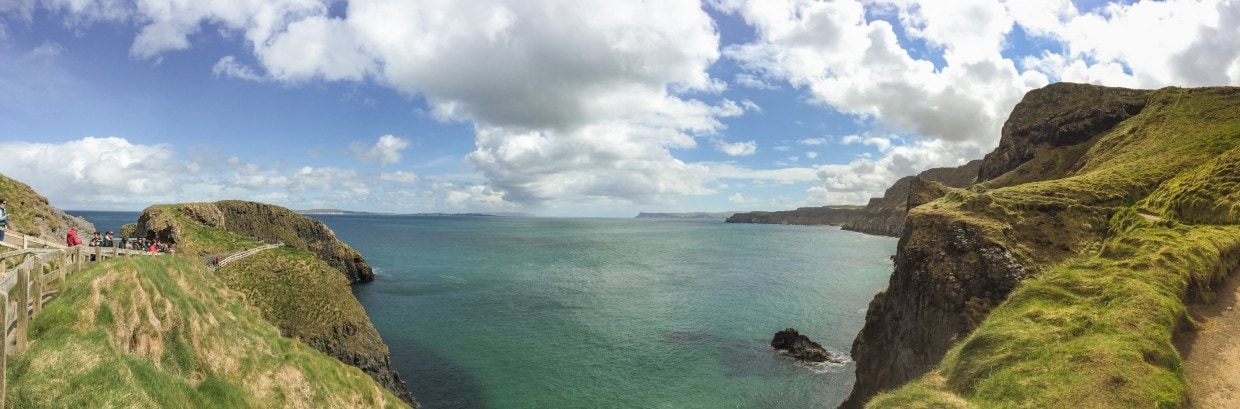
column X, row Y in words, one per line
column 1094, row 328
column 294, row 289
column 146, row 332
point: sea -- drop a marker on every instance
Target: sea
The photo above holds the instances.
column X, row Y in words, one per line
column 504, row 312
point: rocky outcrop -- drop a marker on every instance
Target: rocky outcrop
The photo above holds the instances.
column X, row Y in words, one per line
column 263, row 222
column 801, row 348
column 31, row 214
column 303, row 293
column 885, row 215
column 1050, row 120
column 813, row 216
column 963, row 254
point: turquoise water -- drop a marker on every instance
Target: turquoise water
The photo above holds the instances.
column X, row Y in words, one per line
column 611, row 313
column 608, row 313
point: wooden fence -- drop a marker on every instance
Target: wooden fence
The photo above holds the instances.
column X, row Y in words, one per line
column 29, row 278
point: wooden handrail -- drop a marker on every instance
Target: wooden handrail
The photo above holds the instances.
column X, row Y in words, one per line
column 24, row 287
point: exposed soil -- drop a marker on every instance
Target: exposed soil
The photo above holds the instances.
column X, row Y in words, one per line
column 1212, row 352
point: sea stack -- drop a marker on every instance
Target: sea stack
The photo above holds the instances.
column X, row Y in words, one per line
column 801, row 347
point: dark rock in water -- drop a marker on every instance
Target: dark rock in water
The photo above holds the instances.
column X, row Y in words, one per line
column 801, row 348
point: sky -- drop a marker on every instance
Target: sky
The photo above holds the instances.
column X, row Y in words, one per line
column 592, row 108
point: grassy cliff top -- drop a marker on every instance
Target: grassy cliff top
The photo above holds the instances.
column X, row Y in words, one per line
column 1152, row 218
column 162, row 332
column 31, row 214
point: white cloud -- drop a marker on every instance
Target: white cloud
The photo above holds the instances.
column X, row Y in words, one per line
column 811, row 155
column 228, row 67
column 752, row 81
column 400, row 176
column 386, row 151
column 814, row 141
column 738, row 148
column 1145, row 44
column 845, row 60
column 740, row 199
column 114, row 174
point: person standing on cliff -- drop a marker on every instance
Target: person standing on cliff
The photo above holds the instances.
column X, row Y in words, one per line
column 4, row 217
column 72, row 238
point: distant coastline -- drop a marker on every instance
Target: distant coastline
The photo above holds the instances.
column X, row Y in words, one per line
column 337, row 212
column 686, row 216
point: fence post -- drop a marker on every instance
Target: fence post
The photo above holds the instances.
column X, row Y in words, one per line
column 4, row 348
column 23, row 303
column 64, row 270
column 24, row 244
column 80, row 259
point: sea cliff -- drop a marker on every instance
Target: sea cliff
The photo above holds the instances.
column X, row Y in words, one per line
column 1058, row 279
column 813, row 216
column 31, row 214
column 882, row 215
column 302, row 288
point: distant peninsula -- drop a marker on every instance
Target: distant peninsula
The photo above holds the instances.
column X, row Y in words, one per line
column 687, row 216
column 339, row 212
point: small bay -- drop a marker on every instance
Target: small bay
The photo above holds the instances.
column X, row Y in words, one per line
column 497, row 312
column 489, row 312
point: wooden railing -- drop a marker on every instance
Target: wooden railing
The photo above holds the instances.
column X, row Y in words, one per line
column 17, row 240
column 29, row 284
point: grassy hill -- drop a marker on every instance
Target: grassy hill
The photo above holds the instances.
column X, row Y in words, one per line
column 163, row 332
column 30, row 213
column 295, row 287
column 1100, row 238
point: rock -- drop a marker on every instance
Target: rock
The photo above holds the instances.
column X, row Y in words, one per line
column 800, row 347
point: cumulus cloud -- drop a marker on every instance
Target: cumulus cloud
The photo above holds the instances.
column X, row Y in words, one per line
column 113, row 173
column 855, row 64
column 228, row 67
column 740, row 199
column 738, row 148
column 385, row 151
column 400, row 176
column 1145, row 44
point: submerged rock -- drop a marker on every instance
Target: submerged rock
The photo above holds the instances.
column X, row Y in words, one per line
column 801, row 348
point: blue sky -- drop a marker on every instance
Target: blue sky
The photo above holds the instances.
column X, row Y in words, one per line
column 557, row 108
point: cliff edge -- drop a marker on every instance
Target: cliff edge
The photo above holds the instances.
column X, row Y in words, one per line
column 303, row 288
column 31, row 214
column 1045, row 285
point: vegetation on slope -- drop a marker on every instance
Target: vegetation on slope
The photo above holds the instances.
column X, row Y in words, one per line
column 1095, row 329
column 161, row 332
column 295, row 290
column 31, row 214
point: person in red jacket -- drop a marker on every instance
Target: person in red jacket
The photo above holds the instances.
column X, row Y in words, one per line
column 72, row 238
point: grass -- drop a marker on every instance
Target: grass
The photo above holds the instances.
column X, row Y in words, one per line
column 156, row 332
column 1093, row 327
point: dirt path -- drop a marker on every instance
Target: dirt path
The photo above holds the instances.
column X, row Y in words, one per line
column 1212, row 353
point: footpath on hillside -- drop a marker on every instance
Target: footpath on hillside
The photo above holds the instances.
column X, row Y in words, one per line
column 1212, row 352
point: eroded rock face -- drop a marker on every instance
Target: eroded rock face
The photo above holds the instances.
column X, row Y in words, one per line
column 941, row 264
column 885, row 215
column 826, row 215
column 801, row 347
column 274, row 223
column 1058, row 115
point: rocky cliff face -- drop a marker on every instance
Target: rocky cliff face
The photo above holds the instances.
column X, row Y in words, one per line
column 1048, row 121
column 267, row 223
column 885, row 215
column 305, row 294
column 31, row 214
column 960, row 255
column 814, row 216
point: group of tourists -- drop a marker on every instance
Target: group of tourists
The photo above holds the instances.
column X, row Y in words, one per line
column 107, row 240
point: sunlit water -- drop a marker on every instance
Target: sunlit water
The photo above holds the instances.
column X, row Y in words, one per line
column 485, row 312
